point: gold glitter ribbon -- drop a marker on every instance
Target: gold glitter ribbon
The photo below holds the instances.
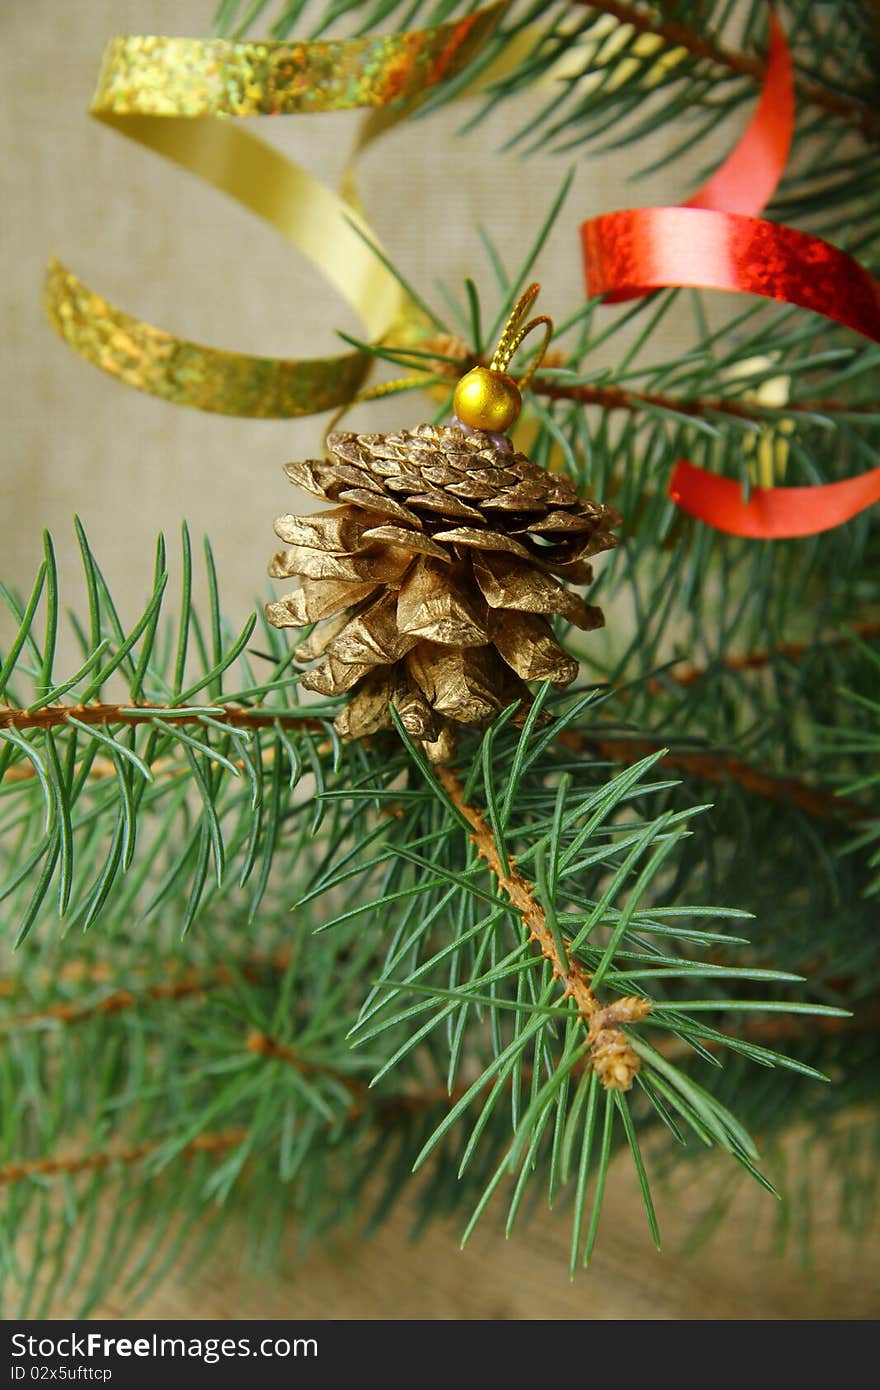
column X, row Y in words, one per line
column 175, row 97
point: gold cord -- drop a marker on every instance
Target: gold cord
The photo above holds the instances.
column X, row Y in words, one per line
column 515, row 331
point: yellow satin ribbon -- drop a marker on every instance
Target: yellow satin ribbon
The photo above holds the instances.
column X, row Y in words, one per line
column 175, row 97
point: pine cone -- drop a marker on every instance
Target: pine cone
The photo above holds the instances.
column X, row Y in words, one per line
column 433, row 579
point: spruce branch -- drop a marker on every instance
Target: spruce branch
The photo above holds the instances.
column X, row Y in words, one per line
column 704, row 47
column 554, row 1059
column 708, row 765
column 758, row 661
column 458, row 358
column 183, row 984
column 72, row 1165
column 384, row 1110
column 131, row 716
column 172, row 790
column 612, row 398
column 391, row 1107
column 716, row 767
column 613, row 1059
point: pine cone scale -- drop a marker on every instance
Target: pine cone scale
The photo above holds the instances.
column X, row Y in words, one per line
column 530, row 649
column 316, row 601
column 482, row 540
column 373, row 637
column 434, row 604
column 382, row 506
column 338, row 532
column 562, row 521
column 461, row 684
column 398, row 535
column 505, row 583
column 367, row 711
column 334, row 677
column 445, row 505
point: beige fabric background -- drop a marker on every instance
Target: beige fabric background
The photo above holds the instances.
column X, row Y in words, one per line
column 161, row 246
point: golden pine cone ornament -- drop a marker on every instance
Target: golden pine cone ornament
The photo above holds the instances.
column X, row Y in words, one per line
column 435, row 577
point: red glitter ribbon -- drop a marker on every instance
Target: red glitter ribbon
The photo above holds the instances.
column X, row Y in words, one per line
column 716, row 241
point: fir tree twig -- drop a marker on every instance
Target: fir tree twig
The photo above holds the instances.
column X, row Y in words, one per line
column 710, row 765
column 612, row 1056
column 720, row 767
column 97, row 714
column 757, row 661
column 52, row 1165
column 678, row 35
column 616, row 398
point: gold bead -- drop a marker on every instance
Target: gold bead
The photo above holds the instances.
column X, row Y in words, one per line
column 487, row 400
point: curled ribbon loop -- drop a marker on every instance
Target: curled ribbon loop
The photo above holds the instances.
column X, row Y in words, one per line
column 175, row 96
column 717, row 241
column 159, row 76
column 750, row 174
column 515, row 331
column 697, row 247
column 771, row 513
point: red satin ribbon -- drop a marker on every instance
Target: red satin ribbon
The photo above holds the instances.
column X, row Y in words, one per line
column 771, row 513
column 715, row 241
column 750, row 174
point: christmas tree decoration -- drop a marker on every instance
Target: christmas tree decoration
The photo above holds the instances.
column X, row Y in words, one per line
column 434, row 581
column 176, row 96
column 313, row 897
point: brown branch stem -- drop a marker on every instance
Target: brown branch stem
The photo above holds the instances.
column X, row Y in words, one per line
column 611, row 1054
column 188, row 984
column 387, row 1107
column 708, row 766
column 849, row 109
column 55, row 1165
column 261, row 1045
column 719, row 768
column 620, row 398
column 756, row 661
column 236, row 716
column 697, row 407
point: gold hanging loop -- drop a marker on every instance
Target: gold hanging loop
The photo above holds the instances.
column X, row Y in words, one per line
column 515, row 331
column 542, row 321
column 505, row 349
